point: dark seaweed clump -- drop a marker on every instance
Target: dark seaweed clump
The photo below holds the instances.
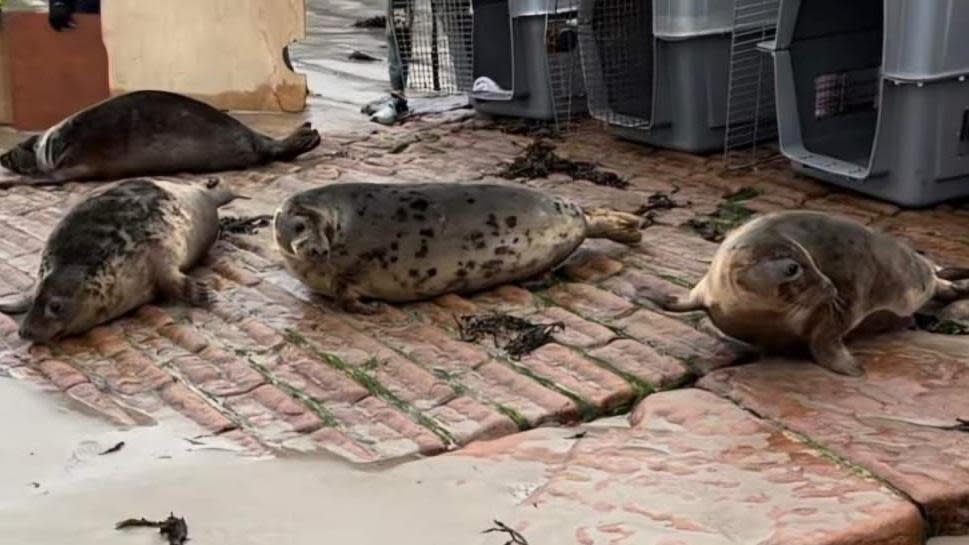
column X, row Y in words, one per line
column 934, row 324
column 173, row 528
column 515, row 336
column 243, row 225
column 514, row 537
column 540, row 160
column 730, row 214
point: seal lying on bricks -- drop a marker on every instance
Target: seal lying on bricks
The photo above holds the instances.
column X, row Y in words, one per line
column 118, row 250
column 405, row 242
column 149, row 133
column 806, row 278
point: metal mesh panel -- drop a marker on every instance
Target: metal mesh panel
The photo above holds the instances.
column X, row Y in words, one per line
column 565, row 68
column 434, row 40
column 616, row 41
column 846, row 93
column 751, row 112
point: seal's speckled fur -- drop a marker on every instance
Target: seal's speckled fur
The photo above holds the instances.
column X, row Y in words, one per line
column 149, row 133
column 404, row 242
column 807, row 278
column 121, row 248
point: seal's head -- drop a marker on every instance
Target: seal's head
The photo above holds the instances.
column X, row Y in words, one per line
column 57, row 307
column 779, row 273
column 300, row 232
column 22, row 159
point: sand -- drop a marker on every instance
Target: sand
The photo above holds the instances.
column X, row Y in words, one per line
column 226, row 497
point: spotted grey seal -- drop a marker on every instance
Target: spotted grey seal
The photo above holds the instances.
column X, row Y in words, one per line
column 800, row 278
column 118, row 250
column 405, row 242
column 149, row 133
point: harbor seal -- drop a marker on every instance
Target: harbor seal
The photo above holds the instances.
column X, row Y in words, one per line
column 799, row 278
column 148, row 133
column 118, row 250
column 406, row 242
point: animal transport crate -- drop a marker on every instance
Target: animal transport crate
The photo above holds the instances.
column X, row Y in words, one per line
column 526, row 60
column 657, row 71
column 872, row 95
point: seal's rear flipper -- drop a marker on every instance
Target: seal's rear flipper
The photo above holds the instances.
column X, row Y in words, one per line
column 672, row 303
column 16, row 304
column 303, row 139
column 616, row 226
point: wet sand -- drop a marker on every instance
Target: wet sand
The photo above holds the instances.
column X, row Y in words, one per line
column 225, row 497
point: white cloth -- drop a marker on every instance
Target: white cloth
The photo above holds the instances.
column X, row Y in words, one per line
column 485, row 88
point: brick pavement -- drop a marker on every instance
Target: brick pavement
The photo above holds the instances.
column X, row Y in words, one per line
column 275, row 368
column 694, row 469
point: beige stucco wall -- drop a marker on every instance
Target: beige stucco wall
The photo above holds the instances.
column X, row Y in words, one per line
column 225, row 52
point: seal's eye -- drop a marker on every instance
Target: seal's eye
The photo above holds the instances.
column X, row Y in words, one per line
column 791, row 270
column 212, row 183
column 299, row 228
column 55, row 307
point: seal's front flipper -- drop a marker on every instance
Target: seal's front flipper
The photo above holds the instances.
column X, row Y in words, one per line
column 831, row 353
column 539, row 282
column 354, row 305
column 953, row 273
column 181, row 287
column 303, row 140
column 350, row 301
column 948, row 291
column 17, row 304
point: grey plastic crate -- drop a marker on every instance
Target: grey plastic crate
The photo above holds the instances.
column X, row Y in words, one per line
column 529, row 49
column 872, row 95
column 657, row 71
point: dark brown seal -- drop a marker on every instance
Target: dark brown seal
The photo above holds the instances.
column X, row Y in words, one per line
column 807, row 278
column 404, row 242
column 120, row 249
column 149, row 133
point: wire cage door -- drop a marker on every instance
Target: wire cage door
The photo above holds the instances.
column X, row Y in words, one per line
column 751, row 132
column 433, row 38
column 566, row 80
column 617, row 48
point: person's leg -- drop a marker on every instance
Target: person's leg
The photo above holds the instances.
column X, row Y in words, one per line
column 398, row 72
column 89, row 6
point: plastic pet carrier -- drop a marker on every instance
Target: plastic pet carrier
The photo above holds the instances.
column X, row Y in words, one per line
column 872, row 95
column 526, row 59
column 657, row 71
column 434, row 41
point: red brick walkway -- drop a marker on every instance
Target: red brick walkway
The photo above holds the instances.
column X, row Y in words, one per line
column 274, row 368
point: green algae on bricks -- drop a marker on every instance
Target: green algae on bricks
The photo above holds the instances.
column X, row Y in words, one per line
column 730, row 214
column 373, row 386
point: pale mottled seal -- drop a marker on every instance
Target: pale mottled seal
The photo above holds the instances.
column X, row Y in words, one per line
column 118, row 250
column 806, row 278
column 405, row 242
column 149, row 133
